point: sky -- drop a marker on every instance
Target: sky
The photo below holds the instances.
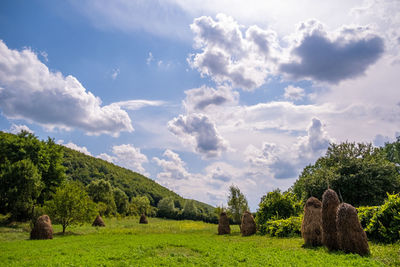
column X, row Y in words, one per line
column 201, row 95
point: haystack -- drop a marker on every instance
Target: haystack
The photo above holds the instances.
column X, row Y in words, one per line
column 248, row 226
column 311, row 227
column 330, row 203
column 223, row 224
column 42, row 229
column 143, row 219
column 99, row 222
column 351, row 236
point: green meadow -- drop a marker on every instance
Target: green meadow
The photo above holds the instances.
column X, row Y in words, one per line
column 124, row 242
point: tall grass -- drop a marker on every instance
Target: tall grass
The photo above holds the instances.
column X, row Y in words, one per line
column 124, row 242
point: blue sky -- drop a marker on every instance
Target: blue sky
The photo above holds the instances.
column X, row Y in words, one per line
column 199, row 95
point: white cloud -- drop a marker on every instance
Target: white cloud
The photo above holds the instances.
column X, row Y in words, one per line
column 173, row 167
column 107, row 157
column 200, row 132
column 200, row 99
column 137, row 104
column 73, row 146
column 294, row 93
column 15, row 129
column 227, row 55
column 285, row 161
column 129, row 157
column 30, row 91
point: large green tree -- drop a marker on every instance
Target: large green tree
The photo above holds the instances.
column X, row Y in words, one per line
column 101, row 191
column 237, row 204
column 70, row 205
column 121, row 201
column 190, row 210
column 20, row 187
column 360, row 173
column 27, row 164
column 166, row 208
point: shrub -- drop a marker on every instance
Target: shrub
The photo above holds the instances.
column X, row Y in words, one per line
column 365, row 215
column 283, row 228
column 277, row 205
column 385, row 223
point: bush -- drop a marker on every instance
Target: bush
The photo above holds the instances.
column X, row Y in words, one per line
column 282, row 228
column 385, row 223
column 365, row 215
column 276, row 205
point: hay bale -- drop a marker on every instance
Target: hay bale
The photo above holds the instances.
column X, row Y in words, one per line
column 248, row 226
column 99, row 222
column 223, row 224
column 330, row 203
column 143, row 219
column 42, row 229
column 311, row 227
column 351, row 236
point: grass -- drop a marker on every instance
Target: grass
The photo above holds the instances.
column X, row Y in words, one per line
column 124, row 242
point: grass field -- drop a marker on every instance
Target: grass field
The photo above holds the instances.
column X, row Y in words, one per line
column 124, row 242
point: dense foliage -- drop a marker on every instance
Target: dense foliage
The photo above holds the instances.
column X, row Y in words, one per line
column 276, row 205
column 384, row 225
column 283, row 227
column 365, row 215
column 30, row 170
column 237, row 204
column 360, row 173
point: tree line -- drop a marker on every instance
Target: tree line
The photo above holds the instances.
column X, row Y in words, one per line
column 35, row 175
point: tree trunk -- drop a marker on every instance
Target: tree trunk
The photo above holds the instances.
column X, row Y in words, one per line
column 64, row 226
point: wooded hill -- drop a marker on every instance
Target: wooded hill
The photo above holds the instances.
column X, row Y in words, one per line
column 31, row 170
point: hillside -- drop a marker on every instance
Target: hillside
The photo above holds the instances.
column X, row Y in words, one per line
column 83, row 168
column 86, row 168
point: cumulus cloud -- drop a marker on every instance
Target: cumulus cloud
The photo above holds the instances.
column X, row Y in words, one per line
column 332, row 57
column 73, row 146
column 199, row 131
column 199, row 99
column 294, row 93
column 129, row 157
column 15, row 129
column 285, row 161
column 315, row 143
column 228, row 55
column 173, row 166
column 30, row 91
column 106, row 157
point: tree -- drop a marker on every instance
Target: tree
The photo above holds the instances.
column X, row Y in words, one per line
column 392, row 151
column 121, row 201
column 166, row 208
column 54, row 173
column 190, row 211
column 140, row 205
column 237, row 204
column 70, row 205
column 102, row 191
column 360, row 174
column 277, row 206
column 20, row 186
